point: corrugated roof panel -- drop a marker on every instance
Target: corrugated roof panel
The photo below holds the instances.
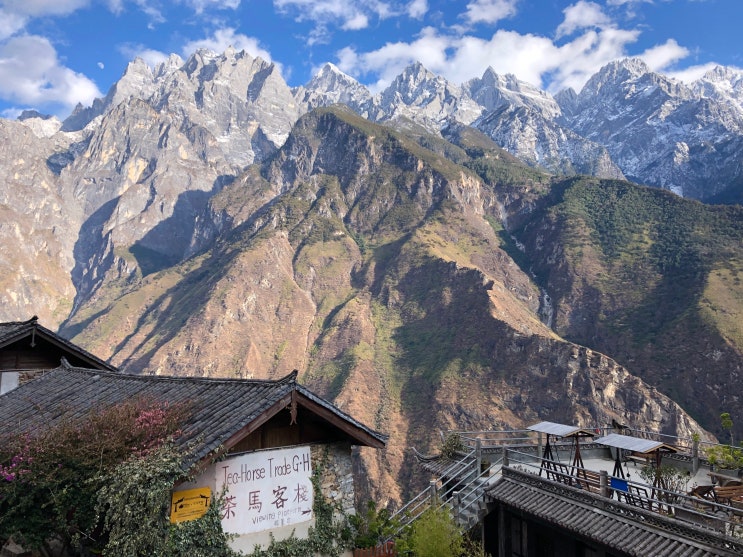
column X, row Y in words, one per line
column 560, row 430
column 628, row 443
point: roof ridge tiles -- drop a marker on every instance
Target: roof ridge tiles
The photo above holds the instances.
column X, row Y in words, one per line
column 290, row 379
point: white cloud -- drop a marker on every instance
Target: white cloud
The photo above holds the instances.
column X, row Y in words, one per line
column 582, row 15
column 417, row 8
column 349, row 15
column 535, row 59
column 692, row 73
column 32, row 75
column 38, row 8
column 199, row 6
column 152, row 11
column 223, row 38
column 10, row 23
column 358, row 21
column 387, row 62
column 489, row 11
column 150, row 56
column 101, row 65
column 116, row 6
column 578, row 60
column 659, row 57
column 322, row 12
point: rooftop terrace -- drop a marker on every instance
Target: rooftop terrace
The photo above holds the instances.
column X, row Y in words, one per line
column 586, row 475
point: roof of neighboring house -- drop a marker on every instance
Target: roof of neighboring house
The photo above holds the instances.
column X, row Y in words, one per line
column 221, row 411
column 12, row 332
column 617, row 525
column 459, row 466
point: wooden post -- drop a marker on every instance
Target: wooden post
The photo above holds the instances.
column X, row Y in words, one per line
column 457, row 496
column 505, row 458
column 433, row 494
column 539, row 444
column 478, row 452
column 502, row 532
column 694, row 456
column 604, row 483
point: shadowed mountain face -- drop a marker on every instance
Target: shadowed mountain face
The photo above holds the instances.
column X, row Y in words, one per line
column 416, row 273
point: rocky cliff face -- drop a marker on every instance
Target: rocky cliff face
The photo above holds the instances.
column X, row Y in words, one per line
column 37, row 228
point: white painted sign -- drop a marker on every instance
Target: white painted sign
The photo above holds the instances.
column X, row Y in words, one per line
column 265, row 490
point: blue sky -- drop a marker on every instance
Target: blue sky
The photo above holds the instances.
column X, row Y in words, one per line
column 56, row 53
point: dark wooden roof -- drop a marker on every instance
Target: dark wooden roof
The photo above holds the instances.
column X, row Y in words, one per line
column 15, row 331
column 622, row 527
column 457, row 467
column 222, row 411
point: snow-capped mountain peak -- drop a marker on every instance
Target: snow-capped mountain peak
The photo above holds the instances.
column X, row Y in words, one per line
column 494, row 90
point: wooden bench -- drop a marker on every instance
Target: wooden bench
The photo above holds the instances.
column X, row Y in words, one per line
column 727, row 494
column 556, row 472
column 632, row 494
column 723, row 480
column 637, row 459
column 588, row 480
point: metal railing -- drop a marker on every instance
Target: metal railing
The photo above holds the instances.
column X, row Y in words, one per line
column 705, row 513
column 415, row 507
column 462, row 496
column 465, row 502
column 498, row 438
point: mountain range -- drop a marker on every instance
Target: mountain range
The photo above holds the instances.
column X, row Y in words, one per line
column 430, row 257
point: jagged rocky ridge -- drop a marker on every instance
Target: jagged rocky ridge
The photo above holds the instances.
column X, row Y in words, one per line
column 204, row 218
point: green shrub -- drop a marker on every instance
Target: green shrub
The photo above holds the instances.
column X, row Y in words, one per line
column 670, row 479
column 434, row 534
column 725, row 456
column 134, row 507
column 452, row 446
column 374, row 526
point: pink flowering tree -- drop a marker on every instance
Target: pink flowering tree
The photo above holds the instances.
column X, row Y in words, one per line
column 49, row 478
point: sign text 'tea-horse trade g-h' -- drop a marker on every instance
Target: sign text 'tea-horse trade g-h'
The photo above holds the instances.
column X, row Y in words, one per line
column 265, row 489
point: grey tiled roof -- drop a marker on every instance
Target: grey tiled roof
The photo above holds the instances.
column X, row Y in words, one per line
column 16, row 330
column 457, row 467
column 622, row 527
column 218, row 408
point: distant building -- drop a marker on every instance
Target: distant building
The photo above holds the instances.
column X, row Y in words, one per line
column 272, row 435
column 27, row 348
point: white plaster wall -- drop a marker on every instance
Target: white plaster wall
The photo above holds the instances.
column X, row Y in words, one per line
column 8, row 381
column 336, row 485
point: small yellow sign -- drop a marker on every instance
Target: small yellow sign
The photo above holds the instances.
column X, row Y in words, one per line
column 189, row 504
